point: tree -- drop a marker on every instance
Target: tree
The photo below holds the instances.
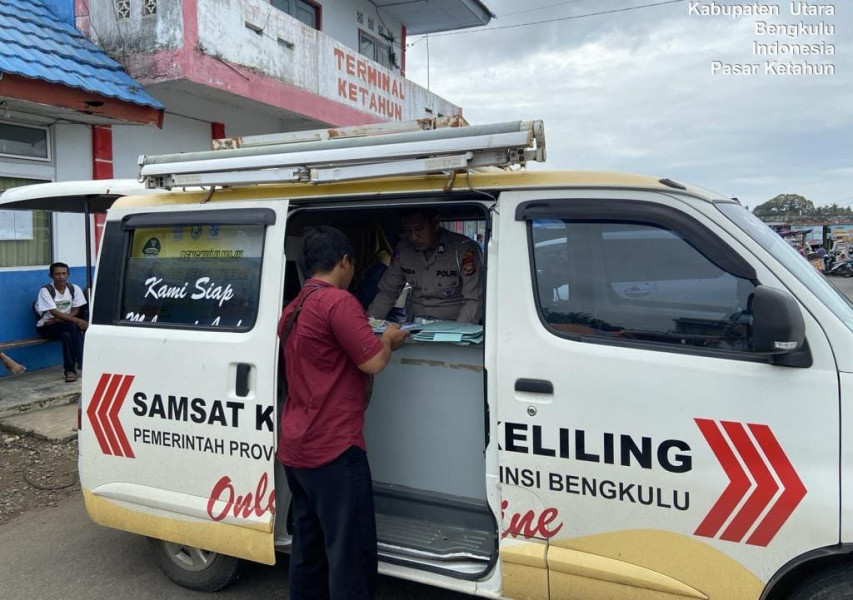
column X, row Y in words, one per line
column 785, row 205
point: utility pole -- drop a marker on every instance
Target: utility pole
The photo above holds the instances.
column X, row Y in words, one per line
column 427, row 40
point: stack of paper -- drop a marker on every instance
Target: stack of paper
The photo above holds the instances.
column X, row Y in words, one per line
column 450, row 331
column 379, row 325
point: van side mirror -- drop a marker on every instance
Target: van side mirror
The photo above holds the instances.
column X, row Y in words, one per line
column 777, row 323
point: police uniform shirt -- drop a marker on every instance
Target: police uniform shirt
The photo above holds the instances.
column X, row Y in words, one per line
column 447, row 281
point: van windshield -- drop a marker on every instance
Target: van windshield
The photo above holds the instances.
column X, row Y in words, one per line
column 768, row 239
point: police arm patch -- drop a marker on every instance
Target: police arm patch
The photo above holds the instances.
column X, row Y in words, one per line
column 469, row 264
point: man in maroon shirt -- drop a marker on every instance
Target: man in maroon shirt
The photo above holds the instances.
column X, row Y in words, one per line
column 330, row 352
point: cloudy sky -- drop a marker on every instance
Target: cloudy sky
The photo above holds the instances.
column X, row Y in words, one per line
column 633, row 91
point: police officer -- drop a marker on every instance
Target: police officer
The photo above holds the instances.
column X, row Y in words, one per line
column 444, row 269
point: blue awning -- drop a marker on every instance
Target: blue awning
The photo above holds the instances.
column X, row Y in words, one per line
column 36, row 44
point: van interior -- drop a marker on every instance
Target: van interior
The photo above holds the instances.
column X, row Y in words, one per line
column 425, row 427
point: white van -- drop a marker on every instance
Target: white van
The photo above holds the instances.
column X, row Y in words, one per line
column 657, row 409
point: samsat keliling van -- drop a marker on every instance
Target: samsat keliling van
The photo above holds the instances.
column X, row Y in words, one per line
column 658, row 408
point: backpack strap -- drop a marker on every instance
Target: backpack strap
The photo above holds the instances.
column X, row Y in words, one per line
column 52, row 290
column 295, row 314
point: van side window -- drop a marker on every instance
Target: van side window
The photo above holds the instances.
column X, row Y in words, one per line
column 198, row 275
column 636, row 281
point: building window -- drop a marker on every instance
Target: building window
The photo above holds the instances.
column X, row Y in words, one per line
column 122, row 10
column 374, row 49
column 307, row 12
column 149, row 8
column 24, row 234
column 24, row 142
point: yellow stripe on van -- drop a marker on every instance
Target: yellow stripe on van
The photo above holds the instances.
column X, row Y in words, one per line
column 601, row 568
column 524, row 570
column 640, row 564
column 232, row 540
column 401, row 185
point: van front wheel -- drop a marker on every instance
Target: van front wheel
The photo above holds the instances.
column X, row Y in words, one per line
column 195, row 568
column 832, row 584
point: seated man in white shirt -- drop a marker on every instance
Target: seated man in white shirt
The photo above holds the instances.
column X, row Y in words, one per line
column 59, row 306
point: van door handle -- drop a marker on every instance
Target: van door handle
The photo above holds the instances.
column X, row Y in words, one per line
column 243, row 379
column 534, row 386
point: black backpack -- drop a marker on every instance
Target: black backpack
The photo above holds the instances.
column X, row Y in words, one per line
column 52, row 291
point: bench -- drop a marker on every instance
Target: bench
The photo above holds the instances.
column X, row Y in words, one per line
column 13, row 344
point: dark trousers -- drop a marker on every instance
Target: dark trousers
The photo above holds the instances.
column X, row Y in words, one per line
column 72, row 342
column 334, row 555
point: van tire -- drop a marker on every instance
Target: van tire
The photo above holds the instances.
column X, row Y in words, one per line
column 194, row 568
column 833, row 584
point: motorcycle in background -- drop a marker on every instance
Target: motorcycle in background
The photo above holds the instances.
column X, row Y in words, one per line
column 840, row 268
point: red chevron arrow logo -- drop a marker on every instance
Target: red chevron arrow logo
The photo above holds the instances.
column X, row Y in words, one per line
column 103, row 409
column 735, row 449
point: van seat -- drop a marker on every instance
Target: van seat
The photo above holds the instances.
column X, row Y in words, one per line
column 293, row 254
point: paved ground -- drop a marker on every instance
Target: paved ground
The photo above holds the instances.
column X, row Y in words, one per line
column 37, row 390
column 845, row 284
column 57, row 424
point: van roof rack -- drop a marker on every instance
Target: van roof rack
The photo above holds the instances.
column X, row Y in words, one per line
column 432, row 145
column 316, row 135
